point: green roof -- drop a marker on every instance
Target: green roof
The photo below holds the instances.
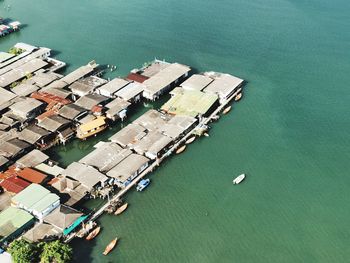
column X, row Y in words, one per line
column 189, row 102
column 12, row 219
column 35, row 197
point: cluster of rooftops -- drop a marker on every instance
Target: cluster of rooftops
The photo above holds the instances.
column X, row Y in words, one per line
column 7, row 26
column 40, row 108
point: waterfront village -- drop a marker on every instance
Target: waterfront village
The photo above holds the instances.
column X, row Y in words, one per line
column 40, row 108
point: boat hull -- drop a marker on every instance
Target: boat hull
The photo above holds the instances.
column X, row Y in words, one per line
column 110, row 247
column 121, row 209
column 238, row 179
column 181, row 149
column 94, row 233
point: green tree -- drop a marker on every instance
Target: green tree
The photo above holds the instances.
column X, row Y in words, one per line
column 55, row 252
column 23, row 252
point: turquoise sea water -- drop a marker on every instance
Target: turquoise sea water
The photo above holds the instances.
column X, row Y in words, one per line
column 290, row 133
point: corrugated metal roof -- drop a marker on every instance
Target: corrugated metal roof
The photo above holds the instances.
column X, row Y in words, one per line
column 137, row 77
column 190, row 103
column 14, row 184
column 31, row 175
column 31, row 195
column 52, row 170
column 45, row 202
column 12, row 219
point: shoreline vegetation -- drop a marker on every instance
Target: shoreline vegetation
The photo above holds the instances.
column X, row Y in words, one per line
column 43, row 252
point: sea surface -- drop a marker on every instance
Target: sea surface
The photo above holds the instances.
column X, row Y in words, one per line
column 289, row 133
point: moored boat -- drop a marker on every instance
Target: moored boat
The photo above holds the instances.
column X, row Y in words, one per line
column 191, row 140
column 121, row 209
column 181, row 149
column 94, row 233
column 238, row 97
column 110, row 246
column 206, row 134
column 143, row 184
column 238, row 179
column 227, row 109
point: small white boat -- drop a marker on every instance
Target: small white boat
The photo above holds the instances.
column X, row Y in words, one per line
column 206, row 134
column 191, row 140
column 181, row 149
column 238, row 179
column 227, row 110
column 238, row 97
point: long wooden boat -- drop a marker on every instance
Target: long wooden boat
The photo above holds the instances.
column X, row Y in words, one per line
column 94, row 233
column 238, row 97
column 121, row 209
column 110, row 246
column 226, row 110
column 191, row 140
column 181, row 149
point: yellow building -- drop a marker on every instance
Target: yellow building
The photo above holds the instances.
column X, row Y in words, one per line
column 91, row 128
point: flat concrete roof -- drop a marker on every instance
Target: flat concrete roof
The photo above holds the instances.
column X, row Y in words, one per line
column 223, row 84
column 71, row 111
column 152, row 120
column 25, row 106
column 24, row 89
column 13, row 147
column 130, row 91
column 129, row 135
column 165, row 77
column 59, row 92
column 116, row 106
column 22, row 59
column 5, row 97
column 90, row 100
column 106, row 156
column 153, row 142
column 32, row 134
column 20, row 72
column 86, row 175
column 112, row 86
column 128, row 167
column 32, row 159
column 196, row 82
column 53, row 123
column 177, row 125
column 42, row 79
column 79, row 73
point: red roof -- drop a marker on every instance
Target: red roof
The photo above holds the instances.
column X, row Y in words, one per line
column 46, row 114
column 137, row 77
column 49, row 98
column 97, row 108
column 32, row 176
column 14, row 184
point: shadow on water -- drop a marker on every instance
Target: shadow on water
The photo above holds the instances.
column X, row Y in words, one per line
column 56, row 53
column 83, row 250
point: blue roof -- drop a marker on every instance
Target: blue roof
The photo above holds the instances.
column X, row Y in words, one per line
column 74, row 225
